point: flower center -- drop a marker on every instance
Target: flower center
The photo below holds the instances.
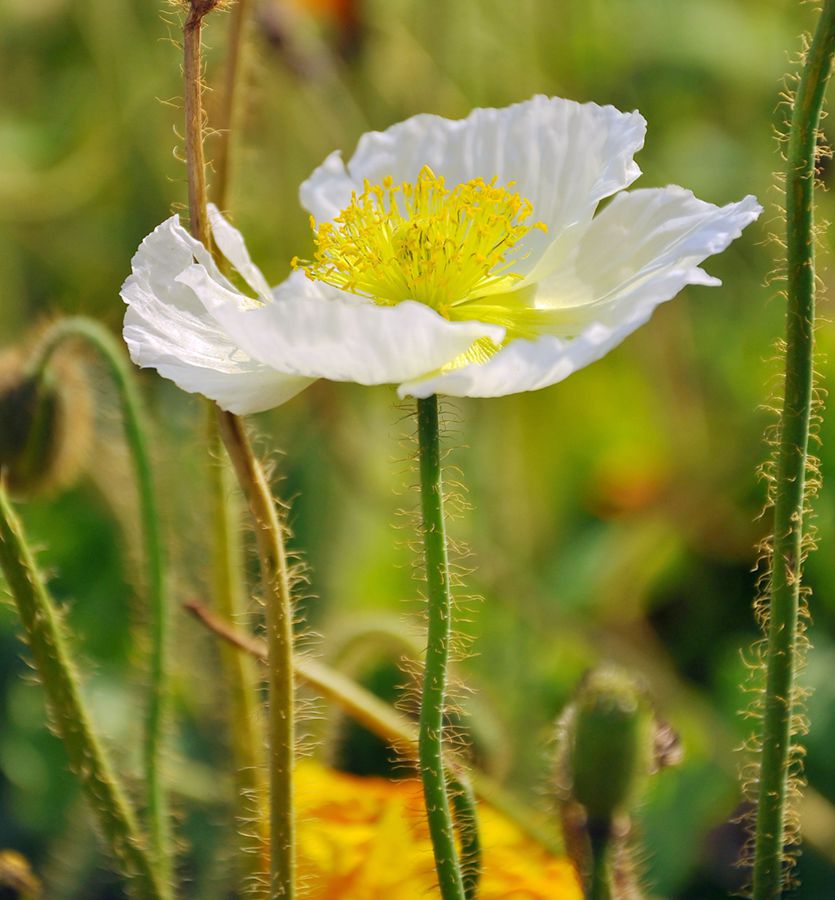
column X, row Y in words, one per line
column 423, row 242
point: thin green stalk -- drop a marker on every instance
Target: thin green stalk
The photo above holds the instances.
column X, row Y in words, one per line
column 430, row 742
column 247, row 738
column 381, row 719
column 466, row 824
column 235, row 63
column 112, row 352
column 599, row 851
column 279, row 633
column 268, row 528
column 240, row 677
column 45, row 633
column 769, row 851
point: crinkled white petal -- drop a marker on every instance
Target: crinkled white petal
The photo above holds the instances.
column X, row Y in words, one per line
column 231, row 244
column 563, row 156
column 642, row 237
column 312, row 330
column 167, row 328
column 639, row 252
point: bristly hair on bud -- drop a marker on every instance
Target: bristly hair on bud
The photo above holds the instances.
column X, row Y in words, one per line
column 46, row 423
column 609, row 743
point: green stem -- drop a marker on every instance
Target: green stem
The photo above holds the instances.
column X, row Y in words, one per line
column 279, row 632
column 268, row 529
column 246, row 738
column 769, row 854
column 599, row 851
column 113, row 354
column 466, row 824
column 47, row 641
column 229, row 109
column 430, row 742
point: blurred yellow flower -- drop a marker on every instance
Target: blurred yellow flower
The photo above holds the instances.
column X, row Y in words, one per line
column 366, row 839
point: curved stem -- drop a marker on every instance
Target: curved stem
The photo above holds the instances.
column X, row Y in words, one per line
column 430, row 742
column 384, row 721
column 112, row 352
column 775, row 760
column 47, row 641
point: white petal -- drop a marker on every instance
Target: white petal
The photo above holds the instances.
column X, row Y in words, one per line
column 231, row 244
column 319, row 332
column 169, row 329
column 328, row 190
column 563, row 156
column 645, row 244
column 529, row 365
column 639, row 252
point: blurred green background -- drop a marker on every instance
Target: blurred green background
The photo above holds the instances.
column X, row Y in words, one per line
column 614, row 516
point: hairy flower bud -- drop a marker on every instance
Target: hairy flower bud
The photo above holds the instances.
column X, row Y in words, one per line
column 609, row 744
column 45, row 423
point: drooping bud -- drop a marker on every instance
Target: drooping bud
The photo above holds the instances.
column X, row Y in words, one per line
column 45, row 423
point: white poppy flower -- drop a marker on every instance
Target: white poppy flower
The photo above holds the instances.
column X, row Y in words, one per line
column 452, row 257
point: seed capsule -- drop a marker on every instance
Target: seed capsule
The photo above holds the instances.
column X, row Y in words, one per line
column 45, row 423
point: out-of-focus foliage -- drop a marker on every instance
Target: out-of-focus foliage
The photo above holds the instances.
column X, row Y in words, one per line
column 613, row 516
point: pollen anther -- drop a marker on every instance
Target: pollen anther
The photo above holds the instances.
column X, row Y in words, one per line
column 420, row 241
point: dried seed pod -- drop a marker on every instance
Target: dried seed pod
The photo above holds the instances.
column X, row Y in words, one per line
column 46, row 423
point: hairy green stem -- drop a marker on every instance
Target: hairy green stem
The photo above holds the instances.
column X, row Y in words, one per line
column 769, row 850
column 466, row 824
column 112, row 353
column 381, row 719
column 430, row 740
column 247, row 737
column 47, row 641
column 279, row 632
column 240, row 677
column 268, row 528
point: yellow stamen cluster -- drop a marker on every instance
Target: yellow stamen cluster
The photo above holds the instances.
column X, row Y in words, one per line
column 423, row 242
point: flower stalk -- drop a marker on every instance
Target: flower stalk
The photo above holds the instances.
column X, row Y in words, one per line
column 465, row 814
column 232, row 78
column 46, row 636
column 279, row 633
column 269, row 530
column 246, row 725
column 792, row 463
column 431, row 725
column 111, row 352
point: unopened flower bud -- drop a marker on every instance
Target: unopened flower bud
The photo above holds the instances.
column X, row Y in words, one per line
column 609, row 735
column 45, row 423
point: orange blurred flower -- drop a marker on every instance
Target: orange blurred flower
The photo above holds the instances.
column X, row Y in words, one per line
column 366, row 839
